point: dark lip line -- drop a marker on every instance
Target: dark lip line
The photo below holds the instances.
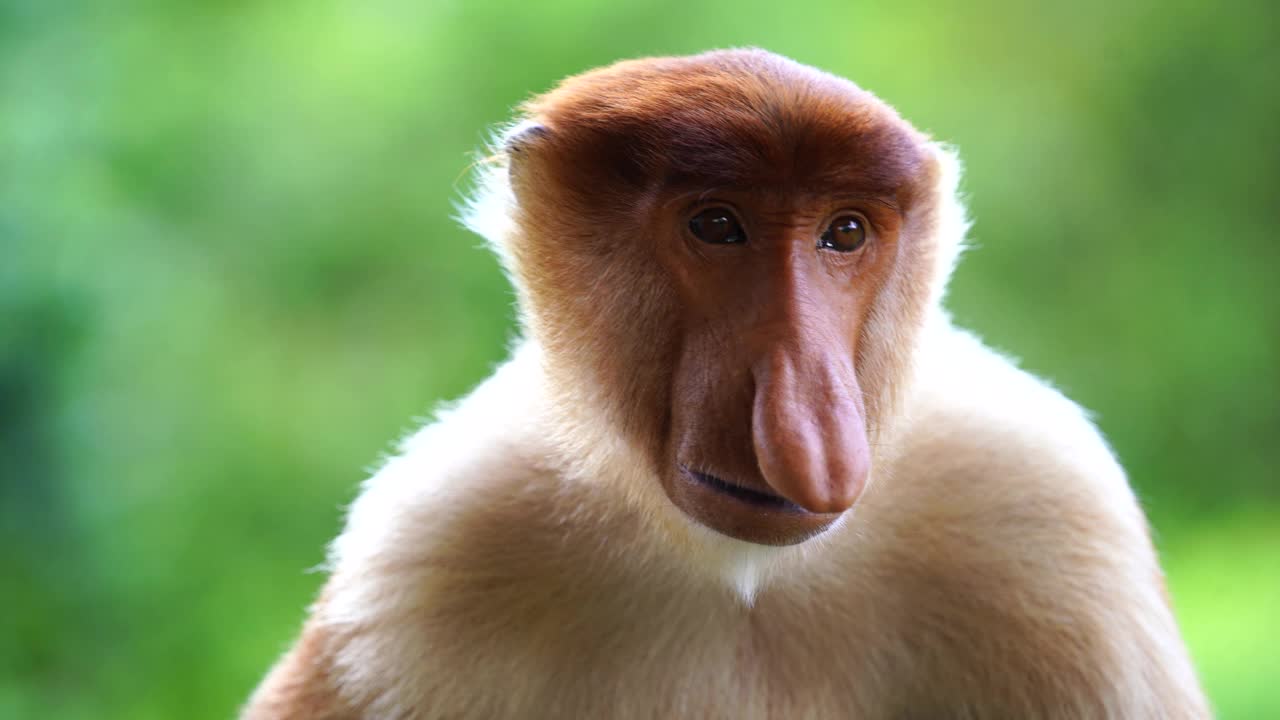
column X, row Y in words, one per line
column 746, row 495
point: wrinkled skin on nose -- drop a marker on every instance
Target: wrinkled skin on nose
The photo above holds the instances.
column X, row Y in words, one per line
column 768, row 431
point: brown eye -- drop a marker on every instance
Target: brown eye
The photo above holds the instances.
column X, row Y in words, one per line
column 717, row 226
column 845, row 234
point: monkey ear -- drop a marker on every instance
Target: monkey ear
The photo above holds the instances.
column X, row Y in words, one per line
column 518, row 145
column 523, row 137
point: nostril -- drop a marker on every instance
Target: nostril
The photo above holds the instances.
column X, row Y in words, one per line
column 849, row 478
column 840, row 499
column 830, row 502
column 802, row 479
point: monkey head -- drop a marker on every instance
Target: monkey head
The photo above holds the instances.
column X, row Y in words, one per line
column 728, row 256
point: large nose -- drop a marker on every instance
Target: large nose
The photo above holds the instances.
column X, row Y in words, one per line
column 808, row 429
column 808, row 420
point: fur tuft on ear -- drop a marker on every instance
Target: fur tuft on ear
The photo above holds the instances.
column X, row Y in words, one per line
column 523, row 136
column 489, row 209
column 952, row 219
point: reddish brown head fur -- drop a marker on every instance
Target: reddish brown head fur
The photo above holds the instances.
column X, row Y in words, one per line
column 755, row 373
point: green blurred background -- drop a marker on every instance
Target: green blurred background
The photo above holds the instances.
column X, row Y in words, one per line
column 229, row 278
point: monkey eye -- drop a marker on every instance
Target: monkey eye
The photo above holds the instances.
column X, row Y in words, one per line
column 717, row 226
column 845, row 234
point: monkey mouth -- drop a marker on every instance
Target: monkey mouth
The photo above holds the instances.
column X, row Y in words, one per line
column 758, row 498
column 750, row 512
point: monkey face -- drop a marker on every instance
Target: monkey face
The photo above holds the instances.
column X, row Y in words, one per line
column 768, row 439
column 734, row 251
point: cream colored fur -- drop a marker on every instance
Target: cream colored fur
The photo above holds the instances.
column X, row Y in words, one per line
column 515, row 561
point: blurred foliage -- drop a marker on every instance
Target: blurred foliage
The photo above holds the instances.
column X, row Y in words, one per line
column 229, row 276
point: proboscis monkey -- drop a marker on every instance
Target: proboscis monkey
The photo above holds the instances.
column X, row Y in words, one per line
column 741, row 465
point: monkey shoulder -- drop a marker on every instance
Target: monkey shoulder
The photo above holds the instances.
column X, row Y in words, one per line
column 1013, row 539
column 1006, row 476
column 988, row 441
column 465, row 550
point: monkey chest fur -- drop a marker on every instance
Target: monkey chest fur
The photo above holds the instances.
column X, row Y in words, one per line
column 553, row 621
